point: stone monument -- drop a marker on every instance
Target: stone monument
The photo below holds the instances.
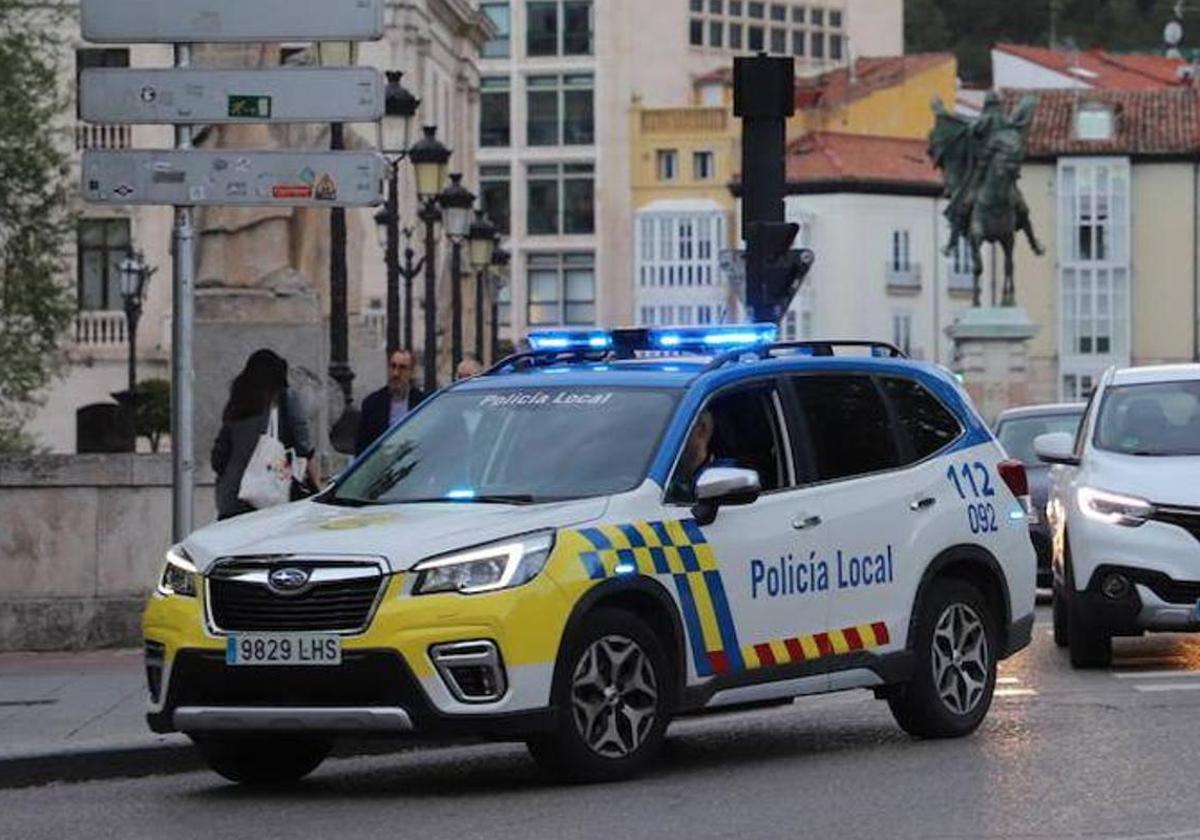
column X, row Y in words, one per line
column 981, row 160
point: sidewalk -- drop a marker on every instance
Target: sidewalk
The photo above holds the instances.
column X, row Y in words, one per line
column 70, row 716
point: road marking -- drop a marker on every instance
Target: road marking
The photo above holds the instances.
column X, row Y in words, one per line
column 1015, row 692
column 1008, row 681
column 1153, row 675
column 1168, row 687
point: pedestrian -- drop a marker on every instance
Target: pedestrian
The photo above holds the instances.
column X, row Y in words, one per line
column 468, row 368
column 391, row 403
column 259, row 388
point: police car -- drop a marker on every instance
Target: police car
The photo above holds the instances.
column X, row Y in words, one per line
column 612, row 530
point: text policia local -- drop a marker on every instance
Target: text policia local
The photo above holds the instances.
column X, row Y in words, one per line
column 789, row 576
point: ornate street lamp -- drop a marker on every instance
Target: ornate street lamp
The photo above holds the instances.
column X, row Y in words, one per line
column 456, row 201
column 395, row 133
column 483, row 245
column 134, row 273
column 430, row 159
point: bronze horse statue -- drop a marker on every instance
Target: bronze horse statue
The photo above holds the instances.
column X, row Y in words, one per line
column 982, row 164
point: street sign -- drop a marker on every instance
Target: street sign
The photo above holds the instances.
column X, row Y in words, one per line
column 230, row 21
column 229, row 177
column 295, row 94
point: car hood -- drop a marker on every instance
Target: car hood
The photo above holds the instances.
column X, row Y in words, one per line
column 402, row 534
column 1167, row 480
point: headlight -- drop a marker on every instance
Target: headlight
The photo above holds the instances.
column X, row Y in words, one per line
column 1113, row 508
column 178, row 575
column 498, row 566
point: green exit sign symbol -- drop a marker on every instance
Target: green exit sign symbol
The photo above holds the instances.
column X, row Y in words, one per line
column 250, row 107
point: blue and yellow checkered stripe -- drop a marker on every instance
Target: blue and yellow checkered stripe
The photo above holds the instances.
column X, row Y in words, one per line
column 675, row 549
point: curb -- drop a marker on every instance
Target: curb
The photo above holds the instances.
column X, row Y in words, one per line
column 92, row 764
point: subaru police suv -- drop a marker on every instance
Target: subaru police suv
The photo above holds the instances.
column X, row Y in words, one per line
column 612, row 530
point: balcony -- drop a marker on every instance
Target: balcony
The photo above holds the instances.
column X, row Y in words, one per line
column 97, row 329
column 684, row 121
column 903, row 277
column 961, row 282
column 93, row 136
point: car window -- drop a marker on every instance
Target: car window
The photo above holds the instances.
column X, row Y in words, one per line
column 1017, row 434
column 847, row 423
column 926, row 424
column 531, row 444
column 1160, row 418
column 739, row 428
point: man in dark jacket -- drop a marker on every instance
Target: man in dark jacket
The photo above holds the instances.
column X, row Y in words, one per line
column 390, row 404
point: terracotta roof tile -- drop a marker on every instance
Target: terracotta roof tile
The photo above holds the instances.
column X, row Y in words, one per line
column 1148, row 122
column 835, row 88
column 831, row 158
column 1103, row 69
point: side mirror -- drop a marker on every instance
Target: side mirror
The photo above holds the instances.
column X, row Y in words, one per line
column 717, row 486
column 1056, row 448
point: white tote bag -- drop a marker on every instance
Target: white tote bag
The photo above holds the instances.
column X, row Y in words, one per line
column 268, row 478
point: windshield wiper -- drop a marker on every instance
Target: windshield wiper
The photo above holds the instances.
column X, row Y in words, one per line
column 340, row 501
column 484, row 499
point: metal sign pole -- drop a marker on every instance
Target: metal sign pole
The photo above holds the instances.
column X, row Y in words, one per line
column 183, row 462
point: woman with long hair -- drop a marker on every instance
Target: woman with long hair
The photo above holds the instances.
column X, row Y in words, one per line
column 260, row 387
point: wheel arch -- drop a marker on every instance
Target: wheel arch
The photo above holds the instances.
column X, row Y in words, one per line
column 643, row 597
column 977, row 566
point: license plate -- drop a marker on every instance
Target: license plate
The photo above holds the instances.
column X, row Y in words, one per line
column 283, row 649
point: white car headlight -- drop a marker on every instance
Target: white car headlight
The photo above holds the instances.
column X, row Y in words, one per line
column 501, row 565
column 1114, row 508
column 178, row 575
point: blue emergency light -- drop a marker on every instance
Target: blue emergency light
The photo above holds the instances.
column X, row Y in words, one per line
column 700, row 339
column 550, row 340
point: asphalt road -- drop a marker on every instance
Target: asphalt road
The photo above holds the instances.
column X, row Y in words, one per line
column 1103, row 754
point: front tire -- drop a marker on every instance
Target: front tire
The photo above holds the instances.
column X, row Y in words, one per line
column 1089, row 645
column 263, row 760
column 956, row 643
column 1058, row 608
column 612, row 697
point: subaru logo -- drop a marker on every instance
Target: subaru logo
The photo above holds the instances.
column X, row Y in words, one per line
column 288, row 580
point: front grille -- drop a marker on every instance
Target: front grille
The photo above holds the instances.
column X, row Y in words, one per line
column 1186, row 518
column 339, row 597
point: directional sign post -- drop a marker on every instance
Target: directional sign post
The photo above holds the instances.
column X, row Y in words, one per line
column 204, row 97
column 221, row 177
column 231, row 21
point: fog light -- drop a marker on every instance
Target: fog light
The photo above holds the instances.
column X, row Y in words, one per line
column 155, row 657
column 1115, row 586
column 473, row 671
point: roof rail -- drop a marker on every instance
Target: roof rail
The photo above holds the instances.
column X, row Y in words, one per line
column 822, row 348
column 542, row 358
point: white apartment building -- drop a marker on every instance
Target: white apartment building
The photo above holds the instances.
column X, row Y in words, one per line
column 557, row 86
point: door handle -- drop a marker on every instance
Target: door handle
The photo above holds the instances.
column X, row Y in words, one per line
column 923, row 504
column 803, row 523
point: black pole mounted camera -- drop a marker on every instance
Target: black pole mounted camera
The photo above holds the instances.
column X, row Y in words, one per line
column 764, row 97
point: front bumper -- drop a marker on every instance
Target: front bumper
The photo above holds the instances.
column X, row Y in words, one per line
column 1155, row 601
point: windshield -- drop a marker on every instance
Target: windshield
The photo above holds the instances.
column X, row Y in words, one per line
column 515, row 446
column 1018, row 434
column 1161, row 418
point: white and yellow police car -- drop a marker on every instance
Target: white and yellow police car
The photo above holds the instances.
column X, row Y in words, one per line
column 610, row 531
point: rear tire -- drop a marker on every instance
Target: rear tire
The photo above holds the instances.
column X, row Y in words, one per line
column 1058, row 607
column 956, row 642
column 263, row 761
column 613, row 699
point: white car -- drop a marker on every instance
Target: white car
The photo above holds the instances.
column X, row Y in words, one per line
column 601, row 535
column 1124, row 512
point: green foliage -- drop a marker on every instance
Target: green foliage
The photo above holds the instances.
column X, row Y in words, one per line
column 36, row 301
column 153, row 410
column 970, row 28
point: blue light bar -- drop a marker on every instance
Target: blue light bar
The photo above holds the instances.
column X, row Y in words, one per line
column 549, row 340
column 461, row 494
column 713, row 338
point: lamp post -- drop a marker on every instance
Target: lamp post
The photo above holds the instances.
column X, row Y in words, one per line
column 400, row 106
column 134, row 273
column 430, row 159
column 408, row 271
column 483, row 245
column 500, row 259
column 456, row 201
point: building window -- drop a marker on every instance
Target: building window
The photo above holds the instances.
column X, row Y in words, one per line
column 1093, row 122
column 797, row 14
column 646, row 316
column 835, row 47
column 735, row 36
column 835, row 19
column 696, row 32
column 667, row 164
column 778, row 11
column 561, row 199
column 696, row 5
column 757, row 10
column 779, row 41
column 818, row 45
column 102, row 244
column 902, row 333
column 562, row 289
column 818, row 17
column 679, row 250
column 716, row 7
column 901, row 259
column 500, row 16
column 704, row 314
column 735, row 8
column 703, row 168
column 716, row 33
column 560, row 110
column 504, row 306
column 495, row 195
column 799, row 41
column 544, row 34
column 494, row 111
column 754, row 38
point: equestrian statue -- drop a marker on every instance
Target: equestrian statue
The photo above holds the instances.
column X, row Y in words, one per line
column 981, row 160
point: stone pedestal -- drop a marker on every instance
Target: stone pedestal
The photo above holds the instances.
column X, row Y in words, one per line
column 991, row 354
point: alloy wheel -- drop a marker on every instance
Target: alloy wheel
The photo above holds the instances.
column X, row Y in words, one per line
column 614, row 696
column 960, row 658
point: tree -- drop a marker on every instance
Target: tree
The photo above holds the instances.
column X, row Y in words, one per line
column 153, row 410
column 36, row 300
